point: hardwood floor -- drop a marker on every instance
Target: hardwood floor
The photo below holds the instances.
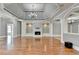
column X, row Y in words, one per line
column 35, row 46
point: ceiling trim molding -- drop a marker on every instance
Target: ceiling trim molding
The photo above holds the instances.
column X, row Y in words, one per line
column 65, row 12
column 34, row 19
column 20, row 18
column 11, row 13
column 33, row 11
column 68, row 12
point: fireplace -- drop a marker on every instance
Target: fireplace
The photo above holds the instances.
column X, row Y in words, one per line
column 37, row 33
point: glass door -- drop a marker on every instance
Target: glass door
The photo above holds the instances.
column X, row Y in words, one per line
column 9, row 35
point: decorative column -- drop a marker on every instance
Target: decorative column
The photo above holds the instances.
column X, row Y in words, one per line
column 62, row 30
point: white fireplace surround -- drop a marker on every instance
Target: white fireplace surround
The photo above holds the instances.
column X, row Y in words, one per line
column 37, row 27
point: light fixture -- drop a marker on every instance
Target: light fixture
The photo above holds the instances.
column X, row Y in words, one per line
column 29, row 25
column 33, row 10
column 32, row 15
column 45, row 25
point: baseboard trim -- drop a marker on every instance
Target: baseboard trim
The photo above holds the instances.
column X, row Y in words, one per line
column 3, row 37
column 56, row 35
column 76, row 47
column 62, row 41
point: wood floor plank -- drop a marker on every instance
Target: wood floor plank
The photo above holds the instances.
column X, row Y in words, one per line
column 35, row 46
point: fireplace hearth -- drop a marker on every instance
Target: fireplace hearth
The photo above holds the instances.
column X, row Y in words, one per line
column 37, row 33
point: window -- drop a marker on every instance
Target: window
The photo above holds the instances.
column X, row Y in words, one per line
column 29, row 28
column 73, row 27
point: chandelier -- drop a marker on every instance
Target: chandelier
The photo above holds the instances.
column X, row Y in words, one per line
column 33, row 15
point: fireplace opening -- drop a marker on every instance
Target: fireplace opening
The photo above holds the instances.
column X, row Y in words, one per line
column 37, row 33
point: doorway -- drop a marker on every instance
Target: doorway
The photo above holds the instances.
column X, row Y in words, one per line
column 18, row 28
column 9, row 35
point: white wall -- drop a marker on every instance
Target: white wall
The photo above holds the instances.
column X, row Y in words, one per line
column 57, row 29
column 7, row 18
column 35, row 24
column 56, row 26
column 18, row 28
column 3, row 26
column 0, row 26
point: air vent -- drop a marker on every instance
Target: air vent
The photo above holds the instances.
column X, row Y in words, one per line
column 71, row 15
column 76, row 11
column 77, row 20
column 57, row 20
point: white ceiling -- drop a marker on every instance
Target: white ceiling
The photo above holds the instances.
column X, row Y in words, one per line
column 42, row 10
column 74, row 14
column 32, row 7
